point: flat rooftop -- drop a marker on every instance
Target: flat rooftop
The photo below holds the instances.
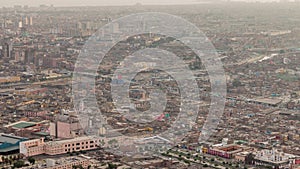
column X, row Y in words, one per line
column 271, row 101
column 9, row 142
column 21, row 124
column 6, row 138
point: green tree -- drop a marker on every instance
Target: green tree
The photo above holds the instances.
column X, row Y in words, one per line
column 77, row 167
column 112, row 166
column 19, row 164
column 31, row 160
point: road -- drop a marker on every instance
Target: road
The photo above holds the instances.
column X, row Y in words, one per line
column 10, row 87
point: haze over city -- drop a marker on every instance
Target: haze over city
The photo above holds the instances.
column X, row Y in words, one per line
column 111, row 2
column 152, row 84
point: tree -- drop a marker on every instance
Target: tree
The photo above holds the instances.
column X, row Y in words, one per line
column 14, row 158
column 112, row 166
column 31, row 160
column 6, row 160
column 249, row 159
column 102, row 142
column 77, row 167
column 19, row 164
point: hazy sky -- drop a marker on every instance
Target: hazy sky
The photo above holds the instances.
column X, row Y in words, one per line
column 91, row 2
column 97, row 2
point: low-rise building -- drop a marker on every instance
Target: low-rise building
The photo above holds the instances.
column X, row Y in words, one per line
column 274, row 158
column 62, row 163
column 9, row 144
column 10, row 79
column 38, row 146
column 227, row 151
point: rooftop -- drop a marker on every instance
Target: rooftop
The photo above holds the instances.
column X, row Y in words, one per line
column 9, row 142
column 271, row 101
column 6, row 138
column 21, row 124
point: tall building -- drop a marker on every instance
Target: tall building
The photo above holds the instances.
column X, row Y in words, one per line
column 4, row 23
column 6, row 50
column 79, row 25
column 29, row 56
column 20, row 24
column 26, row 21
column 115, row 28
column 66, row 126
column 30, row 21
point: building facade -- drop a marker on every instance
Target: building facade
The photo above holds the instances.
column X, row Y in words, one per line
column 38, row 146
